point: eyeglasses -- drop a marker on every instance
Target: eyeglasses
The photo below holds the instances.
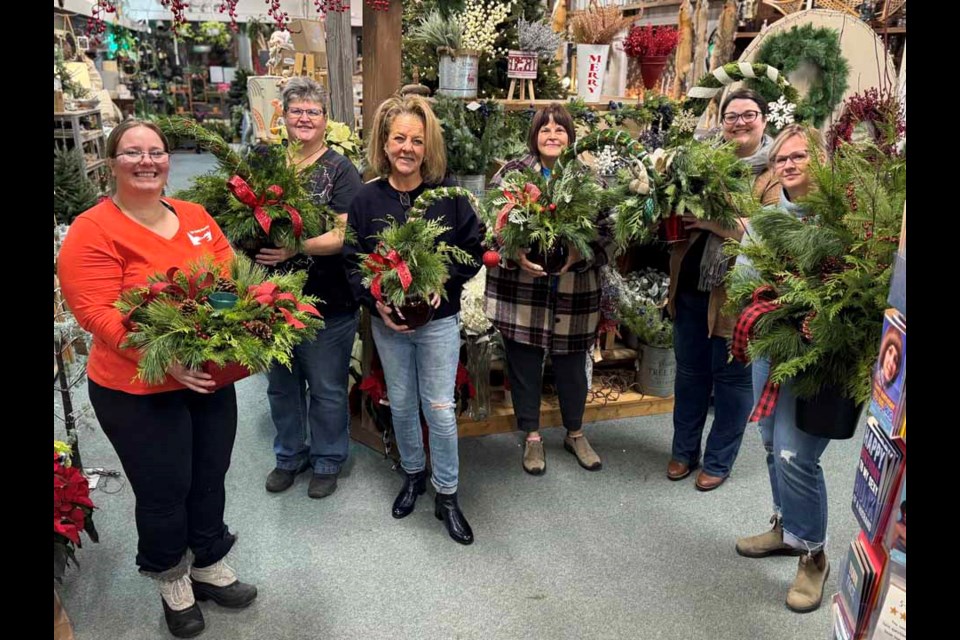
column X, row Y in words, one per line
column 136, row 156
column 746, row 116
column 797, row 158
column 313, row 113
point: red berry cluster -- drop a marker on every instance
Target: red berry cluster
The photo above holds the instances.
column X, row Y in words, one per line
column 331, row 6
column 379, row 5
column 178, row 8
column 200, row 333
column 281, row 17
column 96, row 27
column 230, row 8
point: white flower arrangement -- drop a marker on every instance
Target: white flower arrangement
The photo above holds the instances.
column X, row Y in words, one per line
column 781, row 112
column 472, row 314
column 479, row 22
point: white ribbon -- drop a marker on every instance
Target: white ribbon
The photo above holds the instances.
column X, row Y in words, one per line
column 747, row 70
column 773, row 73
column 703, row 92
column 722, row 76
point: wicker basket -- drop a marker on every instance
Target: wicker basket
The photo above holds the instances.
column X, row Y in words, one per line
column 786, row 7
column 889, row 7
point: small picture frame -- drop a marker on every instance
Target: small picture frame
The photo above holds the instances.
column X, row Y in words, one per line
column 83, row 43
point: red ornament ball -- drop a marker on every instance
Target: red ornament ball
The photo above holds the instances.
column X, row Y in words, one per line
column 491, row 259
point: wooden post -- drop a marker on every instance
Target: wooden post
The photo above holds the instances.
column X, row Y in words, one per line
column 340, row 66
column 381, row 59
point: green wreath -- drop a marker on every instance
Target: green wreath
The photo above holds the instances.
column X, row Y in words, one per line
column 714, row 82
column 819, row 47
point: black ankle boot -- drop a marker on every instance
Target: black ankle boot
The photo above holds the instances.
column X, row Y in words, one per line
column 447, row 509
column 414, row 485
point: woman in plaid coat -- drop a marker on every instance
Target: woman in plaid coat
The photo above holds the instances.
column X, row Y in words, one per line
column 539, row 313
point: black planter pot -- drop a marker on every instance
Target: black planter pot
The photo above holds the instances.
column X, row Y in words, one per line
column 829, row 414
column 416, row 313
column 552, row 260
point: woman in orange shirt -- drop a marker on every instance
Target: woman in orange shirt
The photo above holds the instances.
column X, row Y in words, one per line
column 174, row 439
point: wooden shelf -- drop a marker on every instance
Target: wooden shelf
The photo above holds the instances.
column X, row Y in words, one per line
column 85, row 136
column 93, row 166
column 630, row 7
column 501, row 420
column 72, row 114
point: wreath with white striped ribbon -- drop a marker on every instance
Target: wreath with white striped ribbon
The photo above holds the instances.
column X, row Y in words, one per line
column 717, row 80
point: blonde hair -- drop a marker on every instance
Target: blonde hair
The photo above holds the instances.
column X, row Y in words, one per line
column 434, row 166
column 812, row 135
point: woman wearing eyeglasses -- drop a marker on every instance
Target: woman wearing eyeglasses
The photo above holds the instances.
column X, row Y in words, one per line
column 321, row 366
column 175, row 439
column 796, row 480
column 697, row 295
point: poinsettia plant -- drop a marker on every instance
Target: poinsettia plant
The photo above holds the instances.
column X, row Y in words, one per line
column 408, row 262
column 259, row 198
column 203, row 319
column 72, row 510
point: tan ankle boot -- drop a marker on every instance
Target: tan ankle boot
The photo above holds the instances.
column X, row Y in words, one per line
column 807, row 590
column 767, row 544
column 586, row 456
column 534, row 459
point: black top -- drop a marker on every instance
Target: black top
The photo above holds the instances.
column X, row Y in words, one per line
column 688, row 280
column 368, row 214
column 334, row 182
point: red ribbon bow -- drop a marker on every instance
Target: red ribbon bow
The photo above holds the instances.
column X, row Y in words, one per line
column 391, row 262
column 168, row 285
column 269, row 295
column 763, row 302
column 242, row 191
column 531, row 193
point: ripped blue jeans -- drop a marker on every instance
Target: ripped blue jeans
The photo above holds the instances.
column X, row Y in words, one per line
column 793, row 461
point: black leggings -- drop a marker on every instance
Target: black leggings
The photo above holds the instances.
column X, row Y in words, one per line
column 525, row 370
column 175, row 450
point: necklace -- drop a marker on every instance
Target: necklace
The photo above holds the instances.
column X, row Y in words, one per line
column 312, row 156
column 404, row 198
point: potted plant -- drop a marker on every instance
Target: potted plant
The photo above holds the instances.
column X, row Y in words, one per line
column 656, row 362
column 471, row 134
column 651, row 46
column 229, row 327
column 593, row 31
column 409, row 265
column 537, row 40
column 72, row 510
column 460, row 39
column 705, row 179
column 258, row 198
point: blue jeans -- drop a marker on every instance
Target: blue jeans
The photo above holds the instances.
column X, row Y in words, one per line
column 421, row 372
column 793, row 460
column 320, row 370
column 702, row 367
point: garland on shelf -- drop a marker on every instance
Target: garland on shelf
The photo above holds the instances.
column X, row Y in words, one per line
column 408, row 262
column 819, row 47
column 174, row 318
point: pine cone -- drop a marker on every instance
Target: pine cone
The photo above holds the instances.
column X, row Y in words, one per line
column 805, row 329
column 260, row 329
column 226, row 285
column 189, row 306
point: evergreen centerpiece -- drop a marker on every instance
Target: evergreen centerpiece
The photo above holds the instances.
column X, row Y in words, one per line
column 409, row 265
column 705, row 179
column 218, row 324
column 826, row 277
column 259, row 199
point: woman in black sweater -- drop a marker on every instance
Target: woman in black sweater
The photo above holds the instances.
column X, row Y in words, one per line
column 420, row 365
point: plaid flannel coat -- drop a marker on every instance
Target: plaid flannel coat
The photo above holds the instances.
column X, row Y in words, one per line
column 557, row 313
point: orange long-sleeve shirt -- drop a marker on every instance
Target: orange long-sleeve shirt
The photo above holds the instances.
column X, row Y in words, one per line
column 106, row 253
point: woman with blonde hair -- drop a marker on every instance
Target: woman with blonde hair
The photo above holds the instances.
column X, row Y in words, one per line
column 793, row 456
column 420, row 365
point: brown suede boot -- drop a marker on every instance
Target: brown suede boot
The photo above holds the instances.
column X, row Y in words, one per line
column 586, row 456
column 534, row 460
column 807, row 590
column 767, row 544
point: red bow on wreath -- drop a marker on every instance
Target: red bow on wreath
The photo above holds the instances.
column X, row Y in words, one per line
column 268, row 295
column 764, row 301
column 531, row 193
column 391, row 262
column 168, row 285
column 242, row 191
